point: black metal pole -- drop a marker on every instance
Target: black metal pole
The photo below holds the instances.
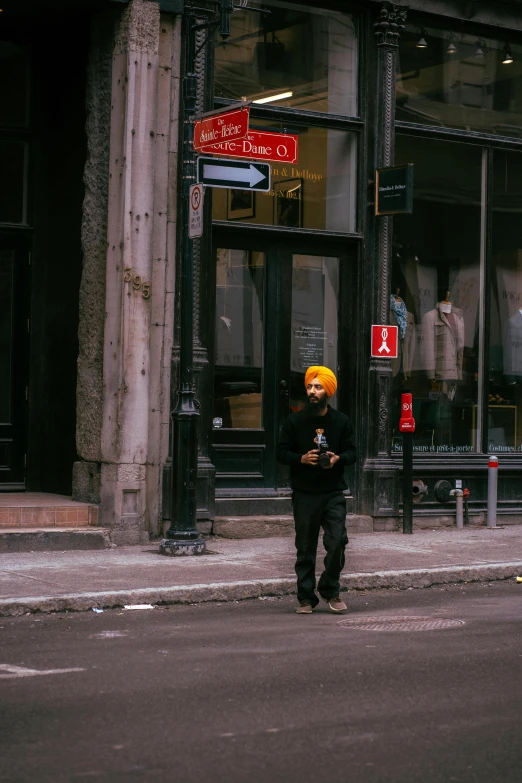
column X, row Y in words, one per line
column 183, row 537
column 407, row 482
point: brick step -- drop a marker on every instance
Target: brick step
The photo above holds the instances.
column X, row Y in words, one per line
column 40, row 510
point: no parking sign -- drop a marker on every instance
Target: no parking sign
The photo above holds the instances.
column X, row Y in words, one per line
column 196, row 211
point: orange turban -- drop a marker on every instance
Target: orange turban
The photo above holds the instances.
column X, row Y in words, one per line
column 325, row 377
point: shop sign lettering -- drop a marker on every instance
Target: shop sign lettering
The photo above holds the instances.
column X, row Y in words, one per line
column 394, row 190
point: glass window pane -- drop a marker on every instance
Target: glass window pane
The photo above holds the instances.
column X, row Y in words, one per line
column 7, row 258
column 292, row 56
column 435, row 295
column 318, row 191
column 505, row 335
column 238, row 373
column 459, row 81
column 315, row 292
column 14, row 85
column 12, row 181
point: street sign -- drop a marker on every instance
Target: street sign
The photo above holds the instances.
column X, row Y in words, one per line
column 195, row 211
column 394, row 190
column 218, row 173
column 385, row 342
column 226, row 126
column 259, row 145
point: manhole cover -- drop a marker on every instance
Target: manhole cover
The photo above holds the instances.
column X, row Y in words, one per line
column 400, row 623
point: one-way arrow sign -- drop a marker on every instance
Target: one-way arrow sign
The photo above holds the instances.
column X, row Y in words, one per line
column 224, row 173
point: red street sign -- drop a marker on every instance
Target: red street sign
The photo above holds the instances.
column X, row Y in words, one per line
column 385, row 342
column 259, row 145
column 226, row 126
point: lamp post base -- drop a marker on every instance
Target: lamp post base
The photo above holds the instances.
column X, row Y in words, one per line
column 180, row 547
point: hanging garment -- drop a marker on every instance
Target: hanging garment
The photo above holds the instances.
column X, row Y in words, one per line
column 443, row 344
column 406, row 345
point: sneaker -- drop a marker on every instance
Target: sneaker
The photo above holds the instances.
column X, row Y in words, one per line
column 336, row 605
column 305, row 607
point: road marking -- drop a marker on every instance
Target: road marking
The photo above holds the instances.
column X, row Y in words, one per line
column 22, row 671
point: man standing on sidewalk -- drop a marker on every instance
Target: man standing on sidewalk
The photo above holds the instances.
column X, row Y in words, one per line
column 317, row 444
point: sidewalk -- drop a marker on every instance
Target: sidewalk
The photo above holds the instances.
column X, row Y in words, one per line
column 237, row 569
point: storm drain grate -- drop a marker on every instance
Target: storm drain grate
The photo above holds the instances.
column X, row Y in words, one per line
column 400, row 623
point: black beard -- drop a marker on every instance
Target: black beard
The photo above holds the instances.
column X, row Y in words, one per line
column 314, row 409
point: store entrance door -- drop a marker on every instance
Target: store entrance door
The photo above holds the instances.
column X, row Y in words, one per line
column 14, row 333
column 277, row 313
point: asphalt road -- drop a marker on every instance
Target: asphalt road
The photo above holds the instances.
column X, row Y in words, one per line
column 253, row 693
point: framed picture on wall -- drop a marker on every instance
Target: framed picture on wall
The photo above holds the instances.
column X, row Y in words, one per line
column 288, row 203
column 240, row 204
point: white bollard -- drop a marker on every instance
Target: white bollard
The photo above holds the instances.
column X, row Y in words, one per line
column 492, row 491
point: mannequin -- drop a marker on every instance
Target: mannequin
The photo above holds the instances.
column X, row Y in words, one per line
column 513, row 348
column 443, row 341
column 404, row 320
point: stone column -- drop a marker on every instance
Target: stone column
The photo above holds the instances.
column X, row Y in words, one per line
column 139, row 272
column 381, row 490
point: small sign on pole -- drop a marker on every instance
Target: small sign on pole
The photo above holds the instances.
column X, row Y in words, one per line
column 394, row 190
column 385, row 342
column 196, row 211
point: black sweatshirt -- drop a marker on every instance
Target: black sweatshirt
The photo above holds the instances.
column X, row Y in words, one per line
column 297, row 438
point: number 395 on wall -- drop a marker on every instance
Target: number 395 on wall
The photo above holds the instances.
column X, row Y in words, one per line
column 137, row 283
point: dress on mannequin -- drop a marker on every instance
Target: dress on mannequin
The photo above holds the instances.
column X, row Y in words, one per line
column 513, row 348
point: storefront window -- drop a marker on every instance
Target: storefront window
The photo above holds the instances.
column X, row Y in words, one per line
column 505, row 312
column 291, row 56
column 13, row 165
column 239, row 356
column 14, row 85
column 456, row 80
column 318, row 191
column 435, row 295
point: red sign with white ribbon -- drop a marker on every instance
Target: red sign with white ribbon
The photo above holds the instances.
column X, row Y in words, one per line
column 385, row 342
column 227, row 126
column 259, row 145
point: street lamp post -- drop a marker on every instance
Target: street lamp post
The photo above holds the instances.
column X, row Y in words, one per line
column 183, row 537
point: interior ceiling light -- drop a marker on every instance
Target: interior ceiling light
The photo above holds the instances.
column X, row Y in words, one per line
column 270, row 98
column 508, row 57
column 452, row 49
column 422, row 43
column 480, row 54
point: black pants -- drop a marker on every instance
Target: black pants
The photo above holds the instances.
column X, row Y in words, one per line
column 311, row 511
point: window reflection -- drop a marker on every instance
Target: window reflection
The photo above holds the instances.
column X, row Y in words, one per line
column 238, row 374
column 291, row 56
column 315, row 292
column 318, row 191
column 435, row 295
column 505, row 337
column 459, row 81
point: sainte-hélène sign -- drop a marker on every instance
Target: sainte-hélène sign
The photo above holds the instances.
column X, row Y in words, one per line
column 227, row 126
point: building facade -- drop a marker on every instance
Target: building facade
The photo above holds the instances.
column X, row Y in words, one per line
column 90, row 232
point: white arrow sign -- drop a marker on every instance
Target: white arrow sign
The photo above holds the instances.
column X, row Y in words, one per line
column 226, row 173
column 242, row 176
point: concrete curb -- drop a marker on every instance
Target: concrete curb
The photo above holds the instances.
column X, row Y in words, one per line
column 242, row 590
